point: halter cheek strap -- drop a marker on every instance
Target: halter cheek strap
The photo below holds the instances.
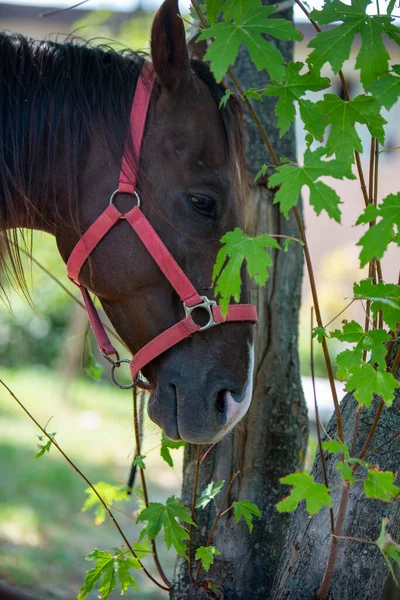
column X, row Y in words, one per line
column 154, row 245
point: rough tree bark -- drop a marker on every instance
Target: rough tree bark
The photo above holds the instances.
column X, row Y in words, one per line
column 273, row 438
column 360, row 570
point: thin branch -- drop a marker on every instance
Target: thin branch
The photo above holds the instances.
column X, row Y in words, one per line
column 217, row 518
column 144, row 485
column 196, row 481
column 340, row 313
column 51, row 13
column 317, row 420
column 374, row 450
column 86, row 480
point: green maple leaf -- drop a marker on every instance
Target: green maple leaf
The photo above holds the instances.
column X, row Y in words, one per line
column 164, row 516
column 343, row 138
column 209, row 493
column 312, row 116
column 293, row 87
column 237, row 9
column 109, row 493
column 373, row 341
column 92, row 368
column 166, row 446
column 333, row 446
column 225, row 98
column 138, row 461
column 104, row 574
column 347, row 361
column 384, row 297
column 293, row 178
column 213, row 9
column 249, row 30
column 253, row 93
column 247, row 510
column 304, row 487
column 385, row 90
column 206, row 555
column 261, row 173
column 238, row 247
column 334, row 45
column 389, row 548
column 345, row 471
column 43, row 448
column 366, row 382
column 320, row 333
column 376, row 240
column 380, row 485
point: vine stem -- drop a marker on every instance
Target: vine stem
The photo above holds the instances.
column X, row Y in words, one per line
column 144, row 486
column 317, row 420
column 86, row 480
column 196, row 481
column 217, row 518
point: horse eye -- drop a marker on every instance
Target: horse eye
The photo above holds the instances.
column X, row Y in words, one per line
column 203, row 204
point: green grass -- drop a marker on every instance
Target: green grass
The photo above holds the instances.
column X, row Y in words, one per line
column 44, row 536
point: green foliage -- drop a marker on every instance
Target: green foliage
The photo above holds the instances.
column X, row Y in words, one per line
column 373, row 341
column 366, row 382
column 239, row 246
column 43, row 448
column 346, row 471
column 209, row 493
column 104, row 575
column 165, row 516
column 248, row 29
column 166, row 446
column 320, row 333
column 138, row 461
column 333, row 446
column 384, row 297
column 261, row 173
column 343, row 138
column 109, row 493
column 293, row 177
column 304, row 487
column 376, row 240
column 347, row 361
column 92, row 368
column 292, row 88
column 386, row 90
column 389, row 548
column 206, row 555
column 225, row 98
column 247, row 510
column 334, row 45
column 380, row 485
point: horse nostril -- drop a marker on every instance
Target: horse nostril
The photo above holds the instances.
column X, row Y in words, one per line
column 220, row 404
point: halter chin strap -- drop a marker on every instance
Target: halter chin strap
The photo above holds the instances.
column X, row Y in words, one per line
column 167, row 264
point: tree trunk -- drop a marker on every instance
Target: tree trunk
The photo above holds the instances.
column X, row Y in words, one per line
column 361, row 571
column 271, row 442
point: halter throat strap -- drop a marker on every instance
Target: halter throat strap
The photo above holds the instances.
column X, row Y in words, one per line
column 148, row 236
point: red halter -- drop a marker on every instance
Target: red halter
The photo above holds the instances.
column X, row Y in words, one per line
column 170, row 268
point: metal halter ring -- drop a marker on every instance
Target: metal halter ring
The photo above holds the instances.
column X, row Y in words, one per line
column 115, row 382
column 114, row 194
column 207, row 305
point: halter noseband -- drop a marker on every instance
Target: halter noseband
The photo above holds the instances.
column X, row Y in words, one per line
column 170, row 268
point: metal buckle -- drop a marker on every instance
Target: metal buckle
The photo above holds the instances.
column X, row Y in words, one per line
column 114, row 194
column 207, row 305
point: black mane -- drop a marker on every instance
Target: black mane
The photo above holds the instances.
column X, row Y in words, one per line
column 54, row 94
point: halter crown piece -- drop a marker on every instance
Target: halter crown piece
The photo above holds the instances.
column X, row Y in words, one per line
column 169, row 267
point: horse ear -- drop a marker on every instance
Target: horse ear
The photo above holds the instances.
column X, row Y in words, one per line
column 168, row 47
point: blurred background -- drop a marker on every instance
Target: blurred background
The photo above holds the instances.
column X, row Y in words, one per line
column 45, row 347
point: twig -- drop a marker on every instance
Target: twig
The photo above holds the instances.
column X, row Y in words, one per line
column 340, row 313
column 144, row 486
column 86, row 480
column 374, row 450
column 217, row 518
column 317, row 420
column 51, row 13
column 196, row 481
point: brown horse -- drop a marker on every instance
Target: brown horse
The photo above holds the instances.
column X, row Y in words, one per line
column 63, row 127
